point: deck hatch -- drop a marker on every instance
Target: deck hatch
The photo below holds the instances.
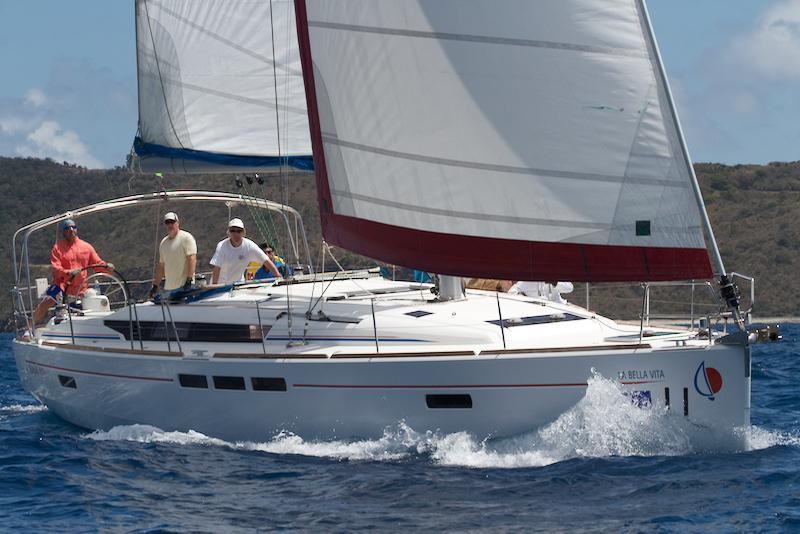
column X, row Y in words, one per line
column 419, row 313
column 67, row 381
column 193, row 381
column 260, row 383
column 229, row 382
column 202, row 332
column 448, row 401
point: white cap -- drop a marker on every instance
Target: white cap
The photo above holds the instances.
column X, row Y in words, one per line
column 236, row 223
column 171, row 216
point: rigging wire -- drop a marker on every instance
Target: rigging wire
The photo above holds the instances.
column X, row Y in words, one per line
column 251, row 205
column 285, row 185
column 156, row 243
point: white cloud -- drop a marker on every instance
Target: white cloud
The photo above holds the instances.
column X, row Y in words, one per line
column 49, row 141
column 35, row 97
column 772, row 48
column 12, row 125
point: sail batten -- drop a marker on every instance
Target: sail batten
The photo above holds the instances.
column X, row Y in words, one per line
column 220, row 87
column 538, row 132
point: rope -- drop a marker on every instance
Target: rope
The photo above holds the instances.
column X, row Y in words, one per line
column 156, row 242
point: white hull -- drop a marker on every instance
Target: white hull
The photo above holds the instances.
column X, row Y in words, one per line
column 359, row 393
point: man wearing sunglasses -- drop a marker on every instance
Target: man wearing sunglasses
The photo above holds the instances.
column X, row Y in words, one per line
column 69, row 260
column 234, row 253
column 177, row 257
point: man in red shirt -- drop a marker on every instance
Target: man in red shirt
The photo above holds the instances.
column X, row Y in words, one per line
column 68, row 260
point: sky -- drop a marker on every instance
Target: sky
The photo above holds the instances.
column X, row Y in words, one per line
column 68, row 84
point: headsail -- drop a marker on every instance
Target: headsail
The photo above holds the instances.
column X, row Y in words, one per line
column 211, row 76
column 504, row 138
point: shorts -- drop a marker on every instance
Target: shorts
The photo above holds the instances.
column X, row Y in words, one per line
column 54, row 291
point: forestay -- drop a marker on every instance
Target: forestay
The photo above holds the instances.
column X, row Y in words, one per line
column 503, row 138
column 211, row 76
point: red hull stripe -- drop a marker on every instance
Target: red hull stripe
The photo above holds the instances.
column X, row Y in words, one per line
column 468, row 386
column 95, row 373
column 515, row 259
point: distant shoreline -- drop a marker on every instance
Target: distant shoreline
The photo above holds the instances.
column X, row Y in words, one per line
column 775, row 319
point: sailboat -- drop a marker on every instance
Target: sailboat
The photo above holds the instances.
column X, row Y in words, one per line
column 504, row 139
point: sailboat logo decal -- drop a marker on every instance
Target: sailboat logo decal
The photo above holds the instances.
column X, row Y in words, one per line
column 707, row 381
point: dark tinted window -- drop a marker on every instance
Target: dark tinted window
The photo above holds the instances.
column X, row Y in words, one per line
column 193, row 381
column 268, row 384
column 229, row 382
column 448, row 401
column 67, row 381
column 206, row 332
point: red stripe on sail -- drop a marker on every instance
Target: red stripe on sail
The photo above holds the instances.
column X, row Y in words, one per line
column 318, row 152
column 481, row 257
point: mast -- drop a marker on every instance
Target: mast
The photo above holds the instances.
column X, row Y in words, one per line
column 728, row 289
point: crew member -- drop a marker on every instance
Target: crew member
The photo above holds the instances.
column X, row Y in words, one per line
column 234, row 253
column 177, row 257
column 69, row 258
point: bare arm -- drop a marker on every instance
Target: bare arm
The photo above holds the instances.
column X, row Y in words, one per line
column 159, row 274
column 271, row 267
column 191, row 265
column 215, row 275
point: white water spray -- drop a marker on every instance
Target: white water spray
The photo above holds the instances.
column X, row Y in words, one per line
column 605, row 423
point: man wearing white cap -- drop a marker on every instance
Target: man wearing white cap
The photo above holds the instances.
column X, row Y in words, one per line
column 177, row 257
column 234, row 253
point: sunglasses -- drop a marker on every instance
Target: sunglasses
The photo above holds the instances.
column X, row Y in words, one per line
column 268, row 251
column 169, row 222
column 72, row 227
column 235, row 230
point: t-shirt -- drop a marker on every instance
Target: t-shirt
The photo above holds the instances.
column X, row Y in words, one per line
column 543, row 290
column 232, row 261
column 66, row 256
column 173, row 253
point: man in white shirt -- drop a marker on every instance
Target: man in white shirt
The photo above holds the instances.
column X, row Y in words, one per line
column 235, row 253
column 177, row 257
column 546, row 290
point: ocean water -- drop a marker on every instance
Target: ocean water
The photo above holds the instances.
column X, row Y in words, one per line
column 605, row 465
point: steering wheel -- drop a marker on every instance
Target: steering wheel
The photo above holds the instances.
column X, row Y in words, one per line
column 112, row 287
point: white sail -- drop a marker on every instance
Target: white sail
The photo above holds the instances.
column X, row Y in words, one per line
column 216, row 77
column 530, row 140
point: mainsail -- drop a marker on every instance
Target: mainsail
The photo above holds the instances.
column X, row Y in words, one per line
column 505, row 138
column 220, row 86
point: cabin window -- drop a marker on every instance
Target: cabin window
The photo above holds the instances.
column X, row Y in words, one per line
column 201, row 332
column 537, row 319
column 193, row 381
column 228, row 382
column 268, row 384
column 448, row 401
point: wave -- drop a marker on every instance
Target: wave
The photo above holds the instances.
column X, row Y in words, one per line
column 23, row 408
column 605, row 423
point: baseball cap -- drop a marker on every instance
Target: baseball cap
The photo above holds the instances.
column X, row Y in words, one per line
column 236, row 223
column 171, row 216
column 67, row 223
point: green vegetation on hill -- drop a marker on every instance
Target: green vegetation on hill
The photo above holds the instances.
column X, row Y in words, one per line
column 752, row 209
